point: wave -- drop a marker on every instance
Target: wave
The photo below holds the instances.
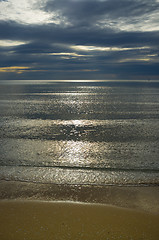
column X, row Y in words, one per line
column 87, row 168
column 79, row 175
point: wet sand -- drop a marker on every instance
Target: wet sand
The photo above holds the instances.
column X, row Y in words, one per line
column 62, row 212
column 141, row 197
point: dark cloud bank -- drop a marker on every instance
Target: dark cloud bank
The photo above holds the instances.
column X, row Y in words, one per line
column 124, row 45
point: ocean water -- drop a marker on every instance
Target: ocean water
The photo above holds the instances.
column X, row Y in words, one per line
column 98, row 133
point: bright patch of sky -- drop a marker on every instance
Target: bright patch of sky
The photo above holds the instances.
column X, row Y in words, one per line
column 27, row 12
column 147, row 23
column 95, row 48
column 16, row 69
column 10, row 43
column 67, row 54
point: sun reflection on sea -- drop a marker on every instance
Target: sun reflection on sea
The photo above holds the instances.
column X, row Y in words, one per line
column 75, row 152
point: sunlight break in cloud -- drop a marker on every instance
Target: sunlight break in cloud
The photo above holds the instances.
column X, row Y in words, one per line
column 67, row 54
column 10, row 43
column 16, row 69
column 95, row 48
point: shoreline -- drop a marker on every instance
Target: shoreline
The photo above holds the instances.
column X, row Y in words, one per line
column 143, row 198
column 67, row 212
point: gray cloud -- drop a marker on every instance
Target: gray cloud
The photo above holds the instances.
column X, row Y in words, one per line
column 54, row 50
column 89, row 12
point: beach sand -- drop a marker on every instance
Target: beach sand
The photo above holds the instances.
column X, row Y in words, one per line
column 75, row 221
column 34, row 212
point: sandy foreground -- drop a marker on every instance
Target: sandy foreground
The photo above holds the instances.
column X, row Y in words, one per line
column 35, row 212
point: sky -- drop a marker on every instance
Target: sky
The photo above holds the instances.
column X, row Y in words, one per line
column 79, row 39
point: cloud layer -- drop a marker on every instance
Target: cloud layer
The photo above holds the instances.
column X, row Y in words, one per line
column 79, row 39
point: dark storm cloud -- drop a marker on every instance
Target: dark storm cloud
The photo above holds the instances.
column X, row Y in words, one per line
column 49, row 50
column 69, row 35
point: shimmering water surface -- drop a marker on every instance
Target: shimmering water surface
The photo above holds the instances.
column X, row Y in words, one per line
column 80, row 133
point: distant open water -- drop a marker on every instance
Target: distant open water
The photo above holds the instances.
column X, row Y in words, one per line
column 80, row 133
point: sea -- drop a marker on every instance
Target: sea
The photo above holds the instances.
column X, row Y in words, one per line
column 80, row 133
